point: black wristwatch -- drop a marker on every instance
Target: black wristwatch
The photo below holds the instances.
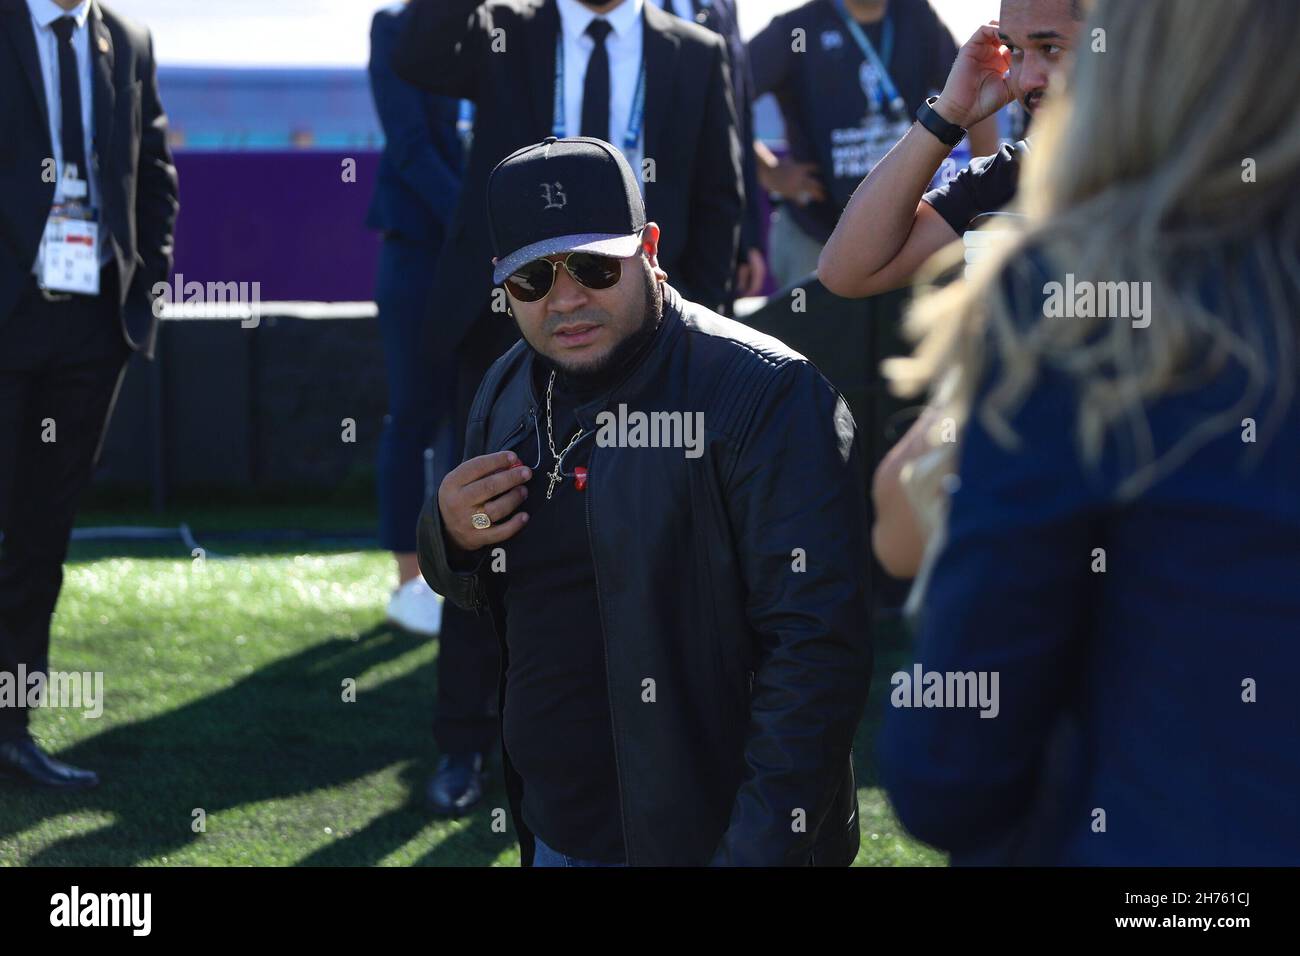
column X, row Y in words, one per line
column 950, row 134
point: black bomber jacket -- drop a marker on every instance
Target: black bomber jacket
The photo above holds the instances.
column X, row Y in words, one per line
column 735, row 580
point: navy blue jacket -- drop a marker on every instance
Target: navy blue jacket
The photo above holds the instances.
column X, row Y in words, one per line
column 1122, row 692
column 420, row 171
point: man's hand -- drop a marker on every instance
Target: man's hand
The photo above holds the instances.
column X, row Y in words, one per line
column 750, row 274
column 492, row 484
column 794, row 181
column 977, row 86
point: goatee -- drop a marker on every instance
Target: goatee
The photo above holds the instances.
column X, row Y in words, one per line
column 626, row 353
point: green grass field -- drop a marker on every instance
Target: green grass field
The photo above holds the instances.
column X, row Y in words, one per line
column 224, row 694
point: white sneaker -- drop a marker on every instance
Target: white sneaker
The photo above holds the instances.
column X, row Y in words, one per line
column 415, row 608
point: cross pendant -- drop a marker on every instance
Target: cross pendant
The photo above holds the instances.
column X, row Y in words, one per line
column 555, row 478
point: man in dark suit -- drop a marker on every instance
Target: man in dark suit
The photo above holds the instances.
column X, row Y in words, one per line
column 416, row 190
column 86, row 177
column 722, row 17
column 686, row 148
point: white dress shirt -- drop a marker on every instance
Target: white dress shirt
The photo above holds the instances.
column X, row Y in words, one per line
column 624, row 44
column 680, row 7
column 44, row 13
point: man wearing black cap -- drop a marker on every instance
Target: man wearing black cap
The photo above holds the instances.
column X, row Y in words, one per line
column 625, row 71
column 660, row 510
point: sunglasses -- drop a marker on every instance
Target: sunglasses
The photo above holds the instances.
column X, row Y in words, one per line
column 533, row 281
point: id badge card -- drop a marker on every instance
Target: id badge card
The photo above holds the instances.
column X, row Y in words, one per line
column 70, row 250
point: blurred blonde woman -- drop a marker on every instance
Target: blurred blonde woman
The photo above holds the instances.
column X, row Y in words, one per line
column 1112, row 541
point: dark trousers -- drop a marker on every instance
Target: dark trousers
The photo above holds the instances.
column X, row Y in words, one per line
column 61, row 364
column 421, row 396
column 469, row 661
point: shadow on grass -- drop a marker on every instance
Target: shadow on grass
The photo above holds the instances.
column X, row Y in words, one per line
column 282, row 736
column 276, row 735
column 466, row 841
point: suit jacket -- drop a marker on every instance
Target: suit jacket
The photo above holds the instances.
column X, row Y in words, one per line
column 690, row 131
column 137, row 181
column 721, row 17
column 420, row 169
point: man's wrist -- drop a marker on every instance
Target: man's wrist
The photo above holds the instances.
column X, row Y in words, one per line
column 945, row 130
column 459, row 560
column 950, row 113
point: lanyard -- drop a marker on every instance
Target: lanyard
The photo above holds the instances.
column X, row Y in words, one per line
column 890, row 91
column 633, row 135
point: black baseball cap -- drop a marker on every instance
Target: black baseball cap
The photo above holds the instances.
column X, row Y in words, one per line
column 563, row 195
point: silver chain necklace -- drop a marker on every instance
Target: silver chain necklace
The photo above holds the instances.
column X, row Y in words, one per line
column 555, row 476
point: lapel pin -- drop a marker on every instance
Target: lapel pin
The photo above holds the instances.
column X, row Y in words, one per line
column 103, row 44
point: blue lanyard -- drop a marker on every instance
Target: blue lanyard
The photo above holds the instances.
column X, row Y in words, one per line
column 633, row 135
column 895, row 101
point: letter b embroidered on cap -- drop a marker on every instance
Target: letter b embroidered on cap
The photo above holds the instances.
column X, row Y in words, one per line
column 556, row 199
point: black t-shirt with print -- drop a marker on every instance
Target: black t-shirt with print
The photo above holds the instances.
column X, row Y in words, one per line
column 815, row 77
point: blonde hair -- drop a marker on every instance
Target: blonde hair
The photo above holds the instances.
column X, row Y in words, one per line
column 1172, row 157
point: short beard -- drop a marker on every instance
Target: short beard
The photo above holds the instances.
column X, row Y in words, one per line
column 622, row 353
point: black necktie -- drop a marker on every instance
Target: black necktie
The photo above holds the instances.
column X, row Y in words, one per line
column 595, row 87
column 74, row 139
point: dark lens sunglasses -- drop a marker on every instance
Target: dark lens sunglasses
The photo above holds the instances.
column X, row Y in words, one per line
column 533, row 281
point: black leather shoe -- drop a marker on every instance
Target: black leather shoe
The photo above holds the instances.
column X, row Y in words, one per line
column 456, row 786
column 24, row 761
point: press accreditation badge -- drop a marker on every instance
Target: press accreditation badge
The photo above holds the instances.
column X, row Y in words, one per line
column 70, row 253
column 70, row 246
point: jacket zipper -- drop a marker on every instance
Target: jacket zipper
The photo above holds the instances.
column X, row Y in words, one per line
column 604, row 646
column 523, row 422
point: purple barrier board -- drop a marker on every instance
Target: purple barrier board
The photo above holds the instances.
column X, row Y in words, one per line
column 293, row 221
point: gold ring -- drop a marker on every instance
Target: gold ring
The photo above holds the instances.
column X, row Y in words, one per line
column 480, row 520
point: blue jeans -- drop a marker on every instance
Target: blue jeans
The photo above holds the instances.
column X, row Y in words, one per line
column 543, row 855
